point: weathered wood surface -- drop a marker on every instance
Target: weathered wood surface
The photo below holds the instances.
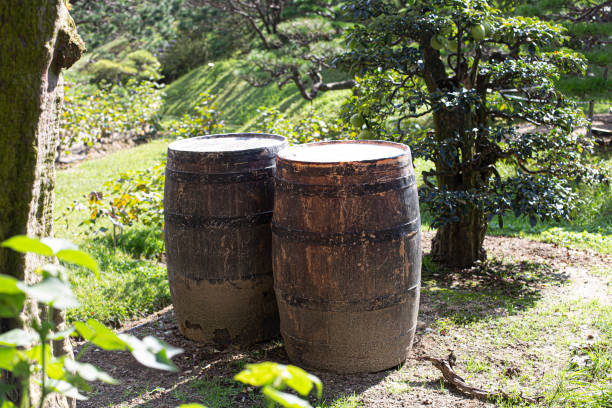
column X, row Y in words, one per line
column 218, row 203
column 347, row 254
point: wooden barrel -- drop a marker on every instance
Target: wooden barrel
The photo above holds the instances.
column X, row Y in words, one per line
column 346, row 254
column 218, row 200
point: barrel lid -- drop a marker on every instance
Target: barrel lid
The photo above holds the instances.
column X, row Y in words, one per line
column 230, row 142
column 344, row 151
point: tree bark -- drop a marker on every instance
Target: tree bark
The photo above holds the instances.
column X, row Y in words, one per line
column 459, row 244
column 39, row 38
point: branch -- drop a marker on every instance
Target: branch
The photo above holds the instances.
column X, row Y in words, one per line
column 502, row 115
column 445, row 366
column 334, row 86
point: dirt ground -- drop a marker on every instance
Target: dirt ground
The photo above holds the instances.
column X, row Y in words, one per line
column 205, row 372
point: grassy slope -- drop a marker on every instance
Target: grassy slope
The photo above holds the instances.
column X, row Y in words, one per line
column 236, row 99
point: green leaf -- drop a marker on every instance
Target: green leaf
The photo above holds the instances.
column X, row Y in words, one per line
column 51, row 291
column 8, row 285
column 11, row 301
column 22, row 243
column 55, row 368
column 100, row 335
column 318, row 383
column 88, row 372
column 58, row 244
column 192, row 405
column 55, row 271
column 18, row 338
column 152, row 352
column 8, row 358
column 260, row 374
column 297, row 379
column 65, row 388
column 284, row 399
column 79, row 258
column 60, row 335
column 36, row 353
column 7, row 404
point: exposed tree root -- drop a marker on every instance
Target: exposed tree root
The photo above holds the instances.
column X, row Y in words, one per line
column 449, row 374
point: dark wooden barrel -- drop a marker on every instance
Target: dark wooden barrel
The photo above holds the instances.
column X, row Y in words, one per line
column 218, row 201
column 347, row 254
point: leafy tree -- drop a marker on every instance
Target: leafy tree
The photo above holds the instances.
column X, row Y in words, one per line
column 589, row 26
column 454, row 60
column 150, row 22
column 203, row 34
column 298, row 40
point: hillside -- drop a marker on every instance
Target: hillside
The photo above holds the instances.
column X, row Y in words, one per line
column 237, row 99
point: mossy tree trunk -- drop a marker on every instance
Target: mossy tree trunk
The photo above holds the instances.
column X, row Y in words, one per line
column 39, row 38
column 458, row 243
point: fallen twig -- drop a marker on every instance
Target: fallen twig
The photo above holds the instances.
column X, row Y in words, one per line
column 449, row 374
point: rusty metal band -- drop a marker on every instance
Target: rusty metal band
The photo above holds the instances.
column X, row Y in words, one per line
column 196, row 221
column 345, row 190
column 408, row 229
column 347, row 238
column 220, row 178
column 362, row 305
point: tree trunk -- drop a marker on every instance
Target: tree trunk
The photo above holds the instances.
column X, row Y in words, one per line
column 38, row 40
column 459, row 244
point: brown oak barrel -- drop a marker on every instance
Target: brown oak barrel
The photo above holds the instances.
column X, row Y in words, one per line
column 346, row 254
column 218, row 200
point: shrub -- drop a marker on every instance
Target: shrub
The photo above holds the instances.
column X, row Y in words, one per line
column 146, row 65
column 137, row 196
column 92, row 115
column 312, row 128
column 110, row 71
column 204, row 120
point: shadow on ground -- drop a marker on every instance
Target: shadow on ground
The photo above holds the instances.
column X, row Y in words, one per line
column 490, row 289
column 205, row 373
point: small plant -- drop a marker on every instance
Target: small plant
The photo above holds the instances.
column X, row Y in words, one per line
column 93, row 114
column 133, row 196
column 274, row 378
column 204, row 120
column 137, row 196
column 312, row 128
column 27, row 353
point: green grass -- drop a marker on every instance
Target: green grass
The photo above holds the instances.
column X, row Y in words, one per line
column 344, row 401
column 74, row 182
column 236, row 99
column 128, row 288
column 216, row 392
column 509, row 321
column 132, row 283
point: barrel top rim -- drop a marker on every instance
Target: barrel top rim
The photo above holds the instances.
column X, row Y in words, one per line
column 385, row 149
column 215, row 143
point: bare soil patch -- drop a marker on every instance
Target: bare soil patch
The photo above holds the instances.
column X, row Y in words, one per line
column 522, row 273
